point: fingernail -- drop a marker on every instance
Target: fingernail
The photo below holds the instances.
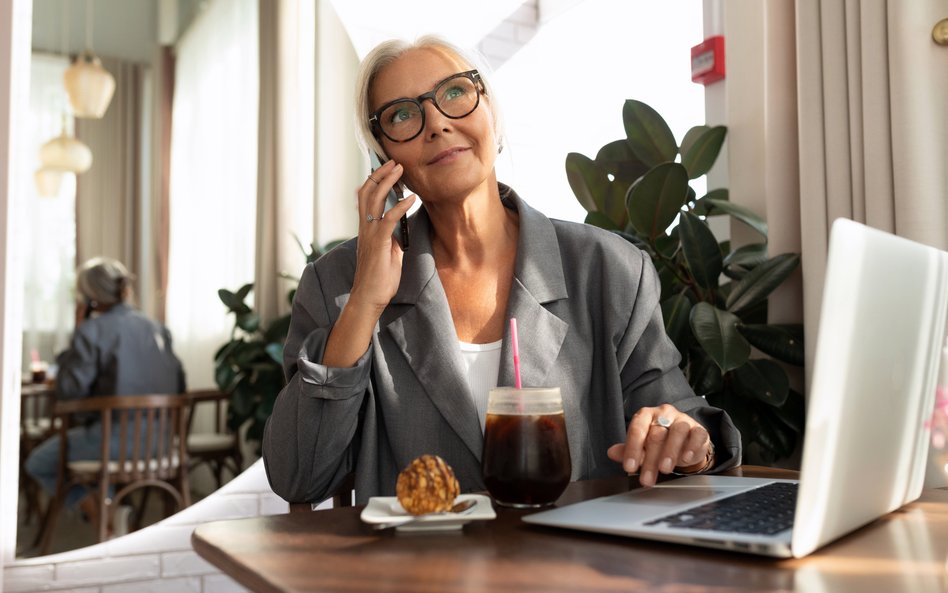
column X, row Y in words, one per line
column 666, row 465
column 398, row 167
column 629, row 466
column 688, row 456
column 648, row 478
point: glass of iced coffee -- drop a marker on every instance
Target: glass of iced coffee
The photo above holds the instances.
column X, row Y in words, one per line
column 526, row 460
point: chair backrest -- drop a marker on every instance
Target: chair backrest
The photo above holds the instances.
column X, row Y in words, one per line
column 36, row 411
column 151, row 432
column 215, row 397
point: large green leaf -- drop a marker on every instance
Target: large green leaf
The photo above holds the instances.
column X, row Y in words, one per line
column 249, row 322
column 275, row 352
column 705, row 375
column 704, row 205
column 763, row 380
column 700, row 249
column 617, row 159
column 716, row 332
column 748, row 256
column 761, row 281
column 676, row 312
column 244, row 291
column 649, row 136
column 242, row 400
column 783, row 342
column 773, row 434
column 739, row 212
column 700, row 149
column 224, row 376
column 232, row 302
column 278, row 330
column 793, row 412
column 655, row 199
column 600, row 220
column 588, row 182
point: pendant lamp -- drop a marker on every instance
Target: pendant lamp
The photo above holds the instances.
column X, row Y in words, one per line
column 88, row 84
column 66, row 153
column 48, row 181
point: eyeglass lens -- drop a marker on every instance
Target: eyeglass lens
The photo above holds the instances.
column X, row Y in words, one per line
column 455, row 98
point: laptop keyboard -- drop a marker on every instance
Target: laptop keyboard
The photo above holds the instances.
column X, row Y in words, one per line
column 763, row 511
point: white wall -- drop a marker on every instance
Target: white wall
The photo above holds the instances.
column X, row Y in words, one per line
column 156, row 559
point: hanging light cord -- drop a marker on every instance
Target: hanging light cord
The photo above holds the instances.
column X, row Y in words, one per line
column 89, row 8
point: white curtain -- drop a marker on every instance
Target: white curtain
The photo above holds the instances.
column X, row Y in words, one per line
column 873, row 129
column 213, row 179
column 49, row 253
column 873, row 126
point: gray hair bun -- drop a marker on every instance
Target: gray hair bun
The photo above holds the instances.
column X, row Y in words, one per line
column 102, row 280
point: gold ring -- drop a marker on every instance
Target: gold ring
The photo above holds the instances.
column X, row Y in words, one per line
column 373, row 180
column 370, row 218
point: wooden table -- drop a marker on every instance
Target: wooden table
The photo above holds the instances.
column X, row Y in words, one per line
column 333, row 551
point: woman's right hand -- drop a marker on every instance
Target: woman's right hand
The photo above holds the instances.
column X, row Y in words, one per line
column 378, row 269
column 379, row 256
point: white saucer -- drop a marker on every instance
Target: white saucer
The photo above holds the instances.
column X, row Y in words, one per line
column 386, row 509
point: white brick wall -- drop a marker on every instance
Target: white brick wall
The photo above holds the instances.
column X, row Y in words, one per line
column 157, row 559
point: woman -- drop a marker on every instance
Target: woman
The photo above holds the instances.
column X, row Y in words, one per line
column 115, row 350
column 384, row 347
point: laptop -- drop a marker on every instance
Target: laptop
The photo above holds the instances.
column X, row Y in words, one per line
column 866, row 445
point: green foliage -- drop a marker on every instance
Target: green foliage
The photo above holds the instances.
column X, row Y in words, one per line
column 250, row 365
column 714, row 299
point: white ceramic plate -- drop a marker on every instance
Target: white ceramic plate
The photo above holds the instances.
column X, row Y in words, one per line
column 386, row 509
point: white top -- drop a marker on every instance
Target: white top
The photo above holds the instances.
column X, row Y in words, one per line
column 482, row 365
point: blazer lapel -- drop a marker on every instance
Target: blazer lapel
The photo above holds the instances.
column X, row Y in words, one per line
column 538, row 280
column 420, row 323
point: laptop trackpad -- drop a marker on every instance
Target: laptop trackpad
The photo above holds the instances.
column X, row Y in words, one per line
column 687, row 491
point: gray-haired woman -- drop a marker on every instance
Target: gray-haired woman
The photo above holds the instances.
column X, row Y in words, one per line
column 115, row 350
column 390, row 355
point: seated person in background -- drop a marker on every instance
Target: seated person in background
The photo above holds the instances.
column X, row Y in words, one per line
column 115, row 350
column 375, row 355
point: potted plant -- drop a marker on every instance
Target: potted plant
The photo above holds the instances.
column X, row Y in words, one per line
column 714, row 298
column 250, row 365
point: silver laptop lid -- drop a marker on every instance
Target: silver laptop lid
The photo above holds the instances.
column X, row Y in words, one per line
column 873, row 384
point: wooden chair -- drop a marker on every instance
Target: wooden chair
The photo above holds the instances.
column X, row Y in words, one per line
column 219, row 449
column 36, row 425
column 154, row 458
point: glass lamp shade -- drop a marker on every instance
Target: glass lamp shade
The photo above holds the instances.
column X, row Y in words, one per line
column 89, row 86
column 67, row 154
column 48, row 181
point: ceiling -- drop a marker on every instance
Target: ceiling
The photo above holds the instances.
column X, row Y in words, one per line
column 125, row 29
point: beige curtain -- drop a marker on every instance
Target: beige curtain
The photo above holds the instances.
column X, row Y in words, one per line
column 109, row 196
column 286, row 145
column 873, row 92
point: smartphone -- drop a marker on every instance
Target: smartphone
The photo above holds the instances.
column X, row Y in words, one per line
column 395, row 195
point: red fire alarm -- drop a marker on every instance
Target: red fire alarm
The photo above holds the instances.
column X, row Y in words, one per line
column 707, row 60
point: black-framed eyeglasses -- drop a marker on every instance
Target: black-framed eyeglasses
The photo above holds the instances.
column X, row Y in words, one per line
column 455, row 97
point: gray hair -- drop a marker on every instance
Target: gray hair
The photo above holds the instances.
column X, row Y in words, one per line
column 103, row 280
column 387, row 52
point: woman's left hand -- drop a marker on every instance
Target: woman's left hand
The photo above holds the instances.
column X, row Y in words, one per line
column 658, row 440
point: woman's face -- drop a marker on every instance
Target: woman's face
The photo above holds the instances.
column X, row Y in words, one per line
column 451, row 157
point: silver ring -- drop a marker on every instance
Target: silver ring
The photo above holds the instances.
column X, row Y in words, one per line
column 662, row 421
column 370, row 218
column 373, row 180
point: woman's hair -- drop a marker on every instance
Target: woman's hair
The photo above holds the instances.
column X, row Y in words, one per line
column 387, row 52
column 102, row 280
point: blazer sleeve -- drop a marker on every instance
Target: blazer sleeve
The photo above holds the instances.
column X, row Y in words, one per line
column 77, row 367
column 650, row 375
column 310, row 440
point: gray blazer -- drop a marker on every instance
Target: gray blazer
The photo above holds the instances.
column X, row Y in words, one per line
column 589, row 321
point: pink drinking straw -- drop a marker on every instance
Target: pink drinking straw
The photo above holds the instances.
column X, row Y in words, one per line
column 516, row 350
